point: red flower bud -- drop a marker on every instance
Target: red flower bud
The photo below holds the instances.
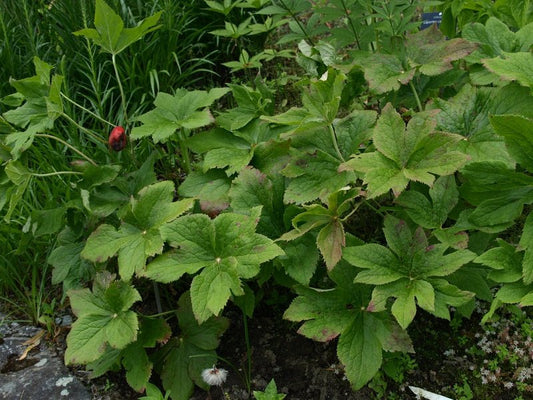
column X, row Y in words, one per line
column 117, row 138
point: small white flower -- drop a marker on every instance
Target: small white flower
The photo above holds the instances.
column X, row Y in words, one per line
column 214, row 376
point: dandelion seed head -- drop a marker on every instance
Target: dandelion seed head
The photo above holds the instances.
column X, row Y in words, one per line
column 214, row 376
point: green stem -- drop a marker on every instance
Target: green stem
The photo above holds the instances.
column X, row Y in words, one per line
column 334, row 140
column 374, row 208
column 69, row 146
column 86, row 110
column 351, row 25
column 248, row 352
column 92, row 134
column 122, row 95
column 57, row 173
column 185, row 156
column 418, row 103
column 293, row 16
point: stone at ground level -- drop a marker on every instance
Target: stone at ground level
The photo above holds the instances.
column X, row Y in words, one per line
column 40, row 375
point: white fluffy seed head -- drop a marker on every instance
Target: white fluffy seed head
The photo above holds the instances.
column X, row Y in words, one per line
column 214, row 376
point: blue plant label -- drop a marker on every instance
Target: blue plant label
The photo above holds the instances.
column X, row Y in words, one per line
column 431, row 18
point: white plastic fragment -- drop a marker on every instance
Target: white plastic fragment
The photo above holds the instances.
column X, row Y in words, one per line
column 426, row 394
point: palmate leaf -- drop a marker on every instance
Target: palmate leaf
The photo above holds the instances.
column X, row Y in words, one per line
column 183, row 110
column 415, row 152
column 320, row 105
column 468, row 113
column 191, row 352
column 331, row 237
column 341, row 311
column 110, row 33
column 495, row 209
column 406, row 270
column 433, row 212
column 139, row 235
column 517, row 132
column 226, row 249
column 428, row 52
column 103, row 318
column 513, row 67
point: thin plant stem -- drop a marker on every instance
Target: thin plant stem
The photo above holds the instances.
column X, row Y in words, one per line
column 122, row 95
column 86, row 110
column 334, row 140
column 69, row 146
column 351, row 25
column 418, row 103
column 293, row 16
column 184, row 152
column 92, row 134
column 57, row 173
column 157, row 298
column 248, row 352
column 374, row 208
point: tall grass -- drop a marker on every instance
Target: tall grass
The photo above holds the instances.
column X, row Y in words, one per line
column 179, row 54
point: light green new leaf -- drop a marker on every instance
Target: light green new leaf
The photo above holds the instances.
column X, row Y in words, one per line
column 138, row 237
column 270, row 393
column 412, row 153
column 183, row 110
column 405, row 272
column 42, row 106
column 110, row 33
column 228, row 250
column 104, row 319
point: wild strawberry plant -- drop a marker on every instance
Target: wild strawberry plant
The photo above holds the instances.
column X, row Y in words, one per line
column 213, row 194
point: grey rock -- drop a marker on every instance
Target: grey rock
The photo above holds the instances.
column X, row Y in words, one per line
column 41, row 375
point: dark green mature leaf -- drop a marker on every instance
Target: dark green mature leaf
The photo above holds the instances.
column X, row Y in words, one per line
column 226, row 249
column 431, row 213
column 526, row 243
column 252, row 188
column 103, row 318
column 403, row 154
column 320, row 105
column 505, row 261
column 513, row 67
column 496, row 209
column 210, row 188
column 342, row 311
column 517, row 132
column 110, row 33
column 192, row 352
column 314, row 175
column 139, row 235
column 183, row 110
column 384, row 72
column 429, row 50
